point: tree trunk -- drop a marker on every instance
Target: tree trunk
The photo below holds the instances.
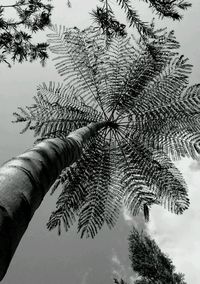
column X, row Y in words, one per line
column 26, row 179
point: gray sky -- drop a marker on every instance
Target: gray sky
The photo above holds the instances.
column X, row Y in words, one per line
column 45, row 258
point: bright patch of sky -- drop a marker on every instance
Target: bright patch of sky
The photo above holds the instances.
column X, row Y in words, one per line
column 178, row 236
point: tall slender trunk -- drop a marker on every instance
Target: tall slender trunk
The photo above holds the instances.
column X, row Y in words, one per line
column 26, row 179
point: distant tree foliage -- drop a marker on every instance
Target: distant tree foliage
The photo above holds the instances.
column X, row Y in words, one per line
column 105, row 17
column 16, row 42
column 151, row 264
column 31, row 16
column 120, row 281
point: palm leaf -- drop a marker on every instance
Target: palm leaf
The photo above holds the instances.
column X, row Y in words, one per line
column 79, row 60
column 132, row 68
column 57, row 111
column 178, row 120
column 75, row 181
column 150, row 178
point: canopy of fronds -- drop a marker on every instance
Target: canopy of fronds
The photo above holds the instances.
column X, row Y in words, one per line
column 141, row 89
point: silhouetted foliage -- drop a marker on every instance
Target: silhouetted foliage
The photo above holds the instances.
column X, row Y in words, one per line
column 31, row 16
column 152, row 265
column 105, row 18
column 120, row 281
column 16, row 42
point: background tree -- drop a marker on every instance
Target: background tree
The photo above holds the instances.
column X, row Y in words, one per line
column 16, row 43
column 121, row 281
column 106, row 19
column 31, row 16
column 151, row 264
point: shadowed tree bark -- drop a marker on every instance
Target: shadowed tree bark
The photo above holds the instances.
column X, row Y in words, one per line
column 26, row 179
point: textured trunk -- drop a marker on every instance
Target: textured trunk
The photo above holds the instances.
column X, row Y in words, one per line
column 26, row 179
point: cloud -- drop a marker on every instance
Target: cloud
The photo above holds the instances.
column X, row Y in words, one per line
column 177, row 236
column 122, row 270
column 119, row 270
column 195, row 166
column 85, row 276
column 136, row 221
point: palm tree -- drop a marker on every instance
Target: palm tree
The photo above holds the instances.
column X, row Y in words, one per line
column 151, row 264
column 132, row 96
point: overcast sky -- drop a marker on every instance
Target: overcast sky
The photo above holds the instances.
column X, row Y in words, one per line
column 45, row 258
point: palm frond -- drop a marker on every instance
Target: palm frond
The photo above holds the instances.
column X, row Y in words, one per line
column 89, row 191
column 165, row 86
column 75, row 181
column 57, row 111
column 79, row 60
column 115, row 195
column 150, row 178
column 133, row 68
column 173, row 126
column 91, row 217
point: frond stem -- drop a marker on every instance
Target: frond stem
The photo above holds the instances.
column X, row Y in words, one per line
column 120, row 147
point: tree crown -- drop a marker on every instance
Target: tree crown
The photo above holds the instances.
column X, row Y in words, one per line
column 140, row 89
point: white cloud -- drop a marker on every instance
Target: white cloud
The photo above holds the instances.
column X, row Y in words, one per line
column 85, row 276
column 122, row 270
column 119, row 270
column 136, row 221
column 132, row 279
column 177, row 236
column 127, row 217
column 116, row 260
column 195, row 166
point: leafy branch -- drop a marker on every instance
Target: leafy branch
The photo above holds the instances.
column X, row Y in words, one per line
column 104, row 16
column 16, row 35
